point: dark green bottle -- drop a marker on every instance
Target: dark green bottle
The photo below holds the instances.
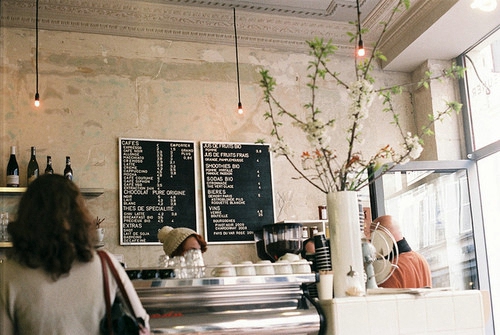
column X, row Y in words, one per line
column 33, row 170
column 68, row 171
column 49, row 169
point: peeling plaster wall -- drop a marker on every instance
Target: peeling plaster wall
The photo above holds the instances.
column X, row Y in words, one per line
column 95, row 89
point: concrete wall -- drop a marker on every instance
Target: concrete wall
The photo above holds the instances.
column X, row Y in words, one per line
column 95, row 89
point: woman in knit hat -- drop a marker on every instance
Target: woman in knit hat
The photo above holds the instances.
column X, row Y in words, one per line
column 176, row 241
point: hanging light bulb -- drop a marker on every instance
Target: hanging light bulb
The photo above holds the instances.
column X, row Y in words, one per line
column 361, row 48
column 360, row 51
column 240, row 106
column 37, row 95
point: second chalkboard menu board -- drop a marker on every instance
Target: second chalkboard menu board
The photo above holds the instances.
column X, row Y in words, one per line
column 157, row 188
column 237, row 189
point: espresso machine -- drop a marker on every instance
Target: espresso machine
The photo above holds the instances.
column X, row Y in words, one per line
column 219, row 302
column 272, row 304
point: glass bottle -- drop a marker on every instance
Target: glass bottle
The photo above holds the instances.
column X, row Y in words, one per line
column 305, row 233
column 33, row 170
column 4, row 221
column 12, row 169
column 49, row 169
column 68, row 171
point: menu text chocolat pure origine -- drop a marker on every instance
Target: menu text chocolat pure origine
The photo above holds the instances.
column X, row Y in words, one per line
column 157, row 188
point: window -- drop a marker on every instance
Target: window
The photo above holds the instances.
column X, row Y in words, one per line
column 482, row 91
column 489, row 178
column 432, row 204
column 450, row 211
column 481, row 95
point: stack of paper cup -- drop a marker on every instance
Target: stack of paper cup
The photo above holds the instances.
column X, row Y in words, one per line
column 322, row 256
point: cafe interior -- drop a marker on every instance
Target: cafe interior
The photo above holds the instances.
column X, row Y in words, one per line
column 115, row 76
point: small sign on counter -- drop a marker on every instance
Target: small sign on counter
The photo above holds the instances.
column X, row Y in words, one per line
column 237, row 190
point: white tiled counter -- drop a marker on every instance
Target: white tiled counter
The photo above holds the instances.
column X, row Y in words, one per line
column 419, row 312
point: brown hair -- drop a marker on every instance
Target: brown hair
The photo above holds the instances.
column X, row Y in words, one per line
column 53, row 227
column 180, row 249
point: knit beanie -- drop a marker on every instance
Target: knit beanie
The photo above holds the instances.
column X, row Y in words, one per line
column 172, row 238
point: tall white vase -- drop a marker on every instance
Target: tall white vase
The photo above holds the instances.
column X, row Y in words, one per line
column 345, row 244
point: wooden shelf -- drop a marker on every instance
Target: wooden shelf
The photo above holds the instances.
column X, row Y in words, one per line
column 12, row 190
column 7, row 244
column 93, row 192
column 18, row 191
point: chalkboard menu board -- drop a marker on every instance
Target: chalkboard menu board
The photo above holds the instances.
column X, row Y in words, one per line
column 237, row 190
column 157, row 188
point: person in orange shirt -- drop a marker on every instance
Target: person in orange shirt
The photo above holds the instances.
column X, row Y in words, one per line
column 412, row 270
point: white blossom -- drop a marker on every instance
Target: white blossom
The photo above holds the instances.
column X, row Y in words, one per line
column 322, row 164
column 314, row 129
column 413, row 146
column 307, row 163
column 361, row 95
column 281, row 148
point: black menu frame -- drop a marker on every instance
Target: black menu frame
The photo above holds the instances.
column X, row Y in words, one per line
column 157, row 188
column 237, row 185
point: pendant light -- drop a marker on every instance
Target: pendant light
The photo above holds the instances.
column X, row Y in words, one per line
column 37, row 95
column 360, row 51
column 240, row 106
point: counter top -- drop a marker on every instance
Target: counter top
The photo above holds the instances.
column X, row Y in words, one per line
column 20, row 190
column 225, row 281
column 415, row 312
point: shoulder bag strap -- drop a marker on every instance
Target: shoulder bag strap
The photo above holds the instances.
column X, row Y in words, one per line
column 125, row 297
column 106, row 289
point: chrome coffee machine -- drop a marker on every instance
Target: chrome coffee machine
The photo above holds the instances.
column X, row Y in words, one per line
column 274, row 304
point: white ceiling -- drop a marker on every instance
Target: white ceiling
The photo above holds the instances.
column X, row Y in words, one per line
column 443, row 37
column 332, row 10
column 430, row 29
column 460, row 28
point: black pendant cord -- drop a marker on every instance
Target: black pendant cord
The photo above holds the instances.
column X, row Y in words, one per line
column 237, row 62
column 359, row 16
column 360, row 40
column 36, row 50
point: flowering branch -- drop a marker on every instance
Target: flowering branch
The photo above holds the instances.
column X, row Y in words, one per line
column 321, row 166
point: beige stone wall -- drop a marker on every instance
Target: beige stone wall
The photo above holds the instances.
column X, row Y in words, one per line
column 448, row 141
column 95, row 89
